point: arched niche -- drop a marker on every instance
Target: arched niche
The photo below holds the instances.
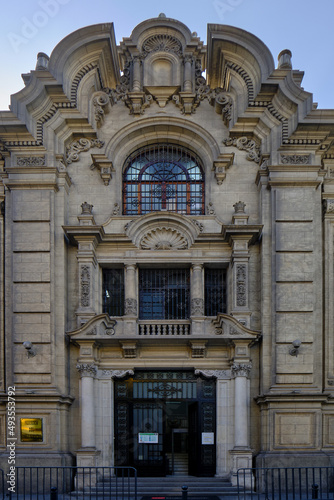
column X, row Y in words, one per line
column 161, row 70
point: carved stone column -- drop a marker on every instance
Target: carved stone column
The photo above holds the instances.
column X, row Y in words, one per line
column 130, row 290
column 197, row 291
column 241, row 453
column 241, row 373
column 187, row 82
column 87, row 373
column 136, row 85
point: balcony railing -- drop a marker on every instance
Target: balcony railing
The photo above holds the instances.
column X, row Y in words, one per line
column 164, row 328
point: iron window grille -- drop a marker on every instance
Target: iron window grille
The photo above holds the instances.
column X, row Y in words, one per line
column 164, row 293
column 163, row 177
column 215, row 291
column 113, row 292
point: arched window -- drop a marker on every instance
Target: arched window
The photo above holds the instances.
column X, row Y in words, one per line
column 163, row 177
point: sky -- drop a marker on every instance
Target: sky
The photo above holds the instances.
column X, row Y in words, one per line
column 303, row 26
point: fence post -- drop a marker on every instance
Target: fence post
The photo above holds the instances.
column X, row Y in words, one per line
column 315, row 490
column 184, row 492
column 54, row 493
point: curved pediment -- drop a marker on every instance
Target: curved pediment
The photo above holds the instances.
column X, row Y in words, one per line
column 163, row 231
column 230, row 328
column 99, row 327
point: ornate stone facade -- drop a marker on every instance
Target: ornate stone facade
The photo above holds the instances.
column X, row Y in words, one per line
column 222, row 255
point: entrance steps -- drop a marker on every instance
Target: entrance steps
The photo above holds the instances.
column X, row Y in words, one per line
column 170, row 486
column 180, row 463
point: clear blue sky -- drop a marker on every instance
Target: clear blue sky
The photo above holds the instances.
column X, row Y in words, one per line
column 303, row 26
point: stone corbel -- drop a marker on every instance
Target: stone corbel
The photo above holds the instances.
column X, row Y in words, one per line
column 137, row 102
column 186, row 102
column 198, row 349
column 129, row 349
column 104, row 165
column 220, row 166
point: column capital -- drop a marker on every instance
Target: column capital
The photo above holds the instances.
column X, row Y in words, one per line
column 87, row 369
column 197, row 266
column 241, row 369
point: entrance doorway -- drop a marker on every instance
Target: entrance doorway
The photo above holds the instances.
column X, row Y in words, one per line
column 165, row 423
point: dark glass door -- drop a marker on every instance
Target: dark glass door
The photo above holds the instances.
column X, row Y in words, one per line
column 193, row 439
column 159, row 414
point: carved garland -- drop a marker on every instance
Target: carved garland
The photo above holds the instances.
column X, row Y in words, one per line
column 118, row 373
column 218, row 374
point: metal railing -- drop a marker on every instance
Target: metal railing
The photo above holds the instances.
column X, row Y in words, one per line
column 64, row 483
column 297, row 483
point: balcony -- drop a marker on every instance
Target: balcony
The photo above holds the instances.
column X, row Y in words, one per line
column 168, row 328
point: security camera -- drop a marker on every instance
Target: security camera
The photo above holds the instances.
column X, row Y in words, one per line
column 30, row 349
column 295, row 347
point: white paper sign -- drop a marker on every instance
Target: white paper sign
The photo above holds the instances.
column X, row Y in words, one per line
column 208, row 438
column 148, row 437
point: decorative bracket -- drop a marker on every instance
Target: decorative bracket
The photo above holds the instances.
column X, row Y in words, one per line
column 105, row 166
column 129, row 349
column 137, row 102
column 220, row 166
column 185, row 101
column 198, row 349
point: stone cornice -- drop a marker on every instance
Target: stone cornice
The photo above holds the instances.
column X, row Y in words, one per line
column 245, row 231
column 293, row 397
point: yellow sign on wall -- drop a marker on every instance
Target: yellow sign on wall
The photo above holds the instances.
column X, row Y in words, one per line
column 31, row 430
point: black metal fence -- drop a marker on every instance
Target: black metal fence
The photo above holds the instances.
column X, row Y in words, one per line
column 286, row 483
column 63, row 483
